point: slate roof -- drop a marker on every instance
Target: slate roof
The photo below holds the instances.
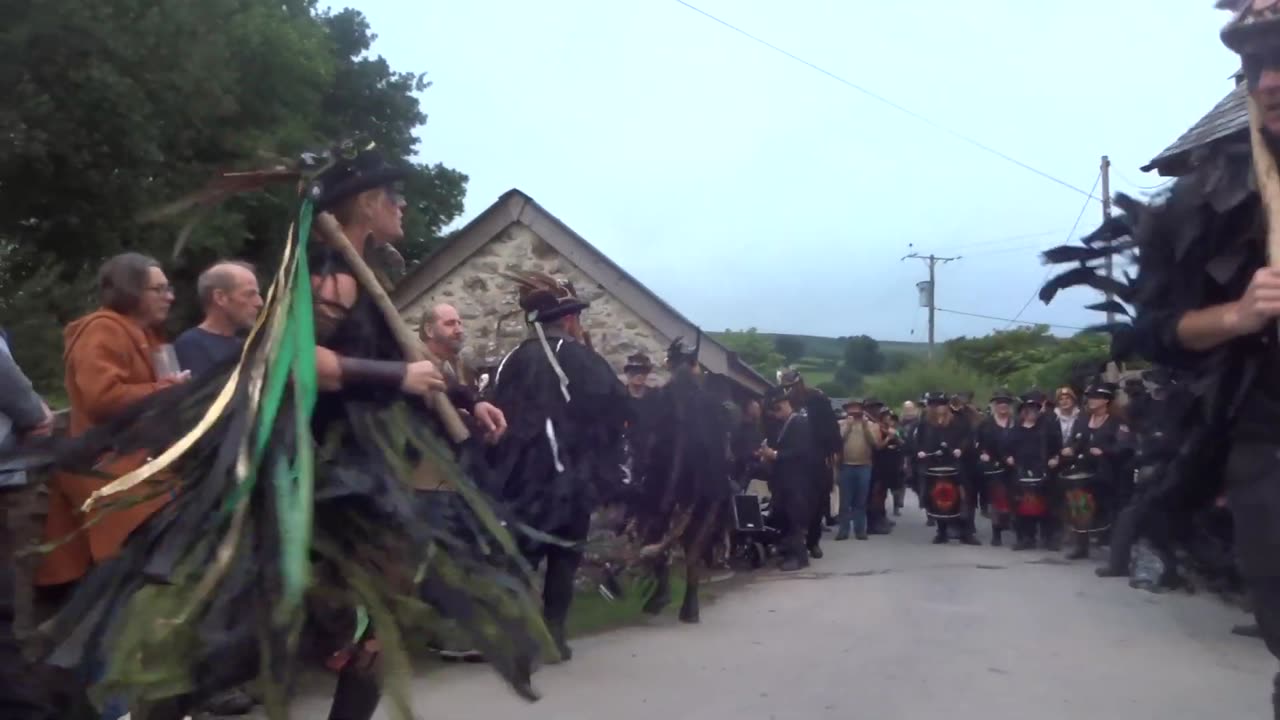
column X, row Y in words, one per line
column 1228, row 117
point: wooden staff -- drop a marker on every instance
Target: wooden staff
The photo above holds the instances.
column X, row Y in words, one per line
column 326, row 225
column 1268, row 179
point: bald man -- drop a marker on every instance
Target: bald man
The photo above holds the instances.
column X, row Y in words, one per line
column 231, row 300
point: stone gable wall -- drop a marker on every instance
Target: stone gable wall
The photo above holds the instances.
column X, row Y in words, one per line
column 483, row 297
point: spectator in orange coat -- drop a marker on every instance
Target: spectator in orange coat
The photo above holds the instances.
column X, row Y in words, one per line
column 109, row 366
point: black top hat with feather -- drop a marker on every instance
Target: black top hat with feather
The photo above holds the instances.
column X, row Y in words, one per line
column 679, row 354
column 544, row 298
column 1255, row 29
column 354, row 170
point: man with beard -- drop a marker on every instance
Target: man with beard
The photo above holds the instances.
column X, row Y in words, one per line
column 822, row 423
column 1207, row 303
column 790, row 456
column 563, row 454
column 443, row 335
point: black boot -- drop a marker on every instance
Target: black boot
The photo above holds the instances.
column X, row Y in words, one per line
column 561, row 641
column 794, row 562
column 689, row 608
column 996, row 540
column 661, row 596
column 815, row 552
column 941, row 538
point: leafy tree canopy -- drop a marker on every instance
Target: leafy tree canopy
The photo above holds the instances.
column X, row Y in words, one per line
column 114, row 107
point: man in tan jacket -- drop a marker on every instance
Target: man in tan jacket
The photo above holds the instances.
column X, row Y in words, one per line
column 861, row 438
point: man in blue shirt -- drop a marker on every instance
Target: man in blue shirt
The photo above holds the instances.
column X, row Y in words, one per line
column 231, row 300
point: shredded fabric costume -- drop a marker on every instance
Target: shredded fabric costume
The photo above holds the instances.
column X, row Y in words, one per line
column 681, row 482
column 563, row 453
column 294, row 505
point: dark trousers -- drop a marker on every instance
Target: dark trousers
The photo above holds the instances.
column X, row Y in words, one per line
column 1028, row 528
column 562, row 568
column 21, row 690
column 791, row 514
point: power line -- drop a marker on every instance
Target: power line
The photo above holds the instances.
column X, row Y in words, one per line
column 1009, row 320
column 1049, row 270
column 1140, row 186
column 882, row 99
column 998, row 241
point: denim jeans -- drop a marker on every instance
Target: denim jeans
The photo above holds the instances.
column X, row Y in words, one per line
column 855, row 490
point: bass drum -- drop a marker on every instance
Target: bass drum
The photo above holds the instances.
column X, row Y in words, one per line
column 996, row 481
column 1030, row 497
column 943, row 493
column 1086, row 499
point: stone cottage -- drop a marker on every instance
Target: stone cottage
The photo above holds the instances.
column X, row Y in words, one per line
column 516, row 233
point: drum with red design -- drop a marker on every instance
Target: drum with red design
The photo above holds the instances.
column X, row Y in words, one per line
column 1085, row 496
column 1030, row 496
column 996, row 482
column 944, row 494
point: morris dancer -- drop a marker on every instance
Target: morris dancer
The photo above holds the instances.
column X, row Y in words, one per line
column 1032, row 454
column 212, row 590
column 992, row 445
column 1095, row 455
column 942, row 445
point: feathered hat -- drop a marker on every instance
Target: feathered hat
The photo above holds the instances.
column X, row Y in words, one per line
column 680, row 354
column 355, row 169
column 1255, row 28
column 544, row 298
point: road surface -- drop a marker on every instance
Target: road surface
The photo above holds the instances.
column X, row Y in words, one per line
column 898, row 629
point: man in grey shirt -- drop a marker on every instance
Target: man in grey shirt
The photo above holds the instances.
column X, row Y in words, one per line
column 22, row 413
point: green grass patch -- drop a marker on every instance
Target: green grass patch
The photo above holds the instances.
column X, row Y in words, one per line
column 593, row 613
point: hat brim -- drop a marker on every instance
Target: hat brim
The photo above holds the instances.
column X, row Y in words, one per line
column 1249, row 38
column 572, row 307
column 332, row 196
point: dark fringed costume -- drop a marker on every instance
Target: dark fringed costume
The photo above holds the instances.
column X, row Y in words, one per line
column 1198, row 245
column 563, row 454
column 294, row 505
column 681, row 485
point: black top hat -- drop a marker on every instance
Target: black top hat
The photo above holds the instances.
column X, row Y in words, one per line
column 544, row 298
column 936, row 398
column 1033, row 399
column 873, row 403
column 638, row 363
column 1002, row 396
column 354, row 171
column 1255, row 29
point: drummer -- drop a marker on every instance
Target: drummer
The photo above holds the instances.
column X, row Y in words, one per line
column 1093, row 455
column 1032, row 452
column 941, row 447
column 992, row 442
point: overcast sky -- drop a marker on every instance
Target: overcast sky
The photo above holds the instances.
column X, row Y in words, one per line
column 748, row 189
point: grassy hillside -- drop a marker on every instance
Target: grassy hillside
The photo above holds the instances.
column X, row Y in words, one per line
column 829, row 348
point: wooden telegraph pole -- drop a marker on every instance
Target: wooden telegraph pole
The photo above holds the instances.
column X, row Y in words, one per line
column 1106, row 215
column 932, row 261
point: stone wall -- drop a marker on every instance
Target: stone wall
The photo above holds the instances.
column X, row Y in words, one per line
column 483, row 298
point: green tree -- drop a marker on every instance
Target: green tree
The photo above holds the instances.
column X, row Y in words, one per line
column 862, row 353
column 790, row 347
column 927, row 376
column 116, row 107
column 753, row 349
column 849, row 378
column 1004, row 352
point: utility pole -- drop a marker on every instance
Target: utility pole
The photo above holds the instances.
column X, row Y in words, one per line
column 1106, row 215
column 931, row 261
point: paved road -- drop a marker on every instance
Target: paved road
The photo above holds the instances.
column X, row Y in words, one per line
column 897, row 629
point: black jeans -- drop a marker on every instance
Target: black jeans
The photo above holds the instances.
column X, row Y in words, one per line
column 21, row 689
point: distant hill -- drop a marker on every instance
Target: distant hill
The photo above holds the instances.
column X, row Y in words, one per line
column 829, row 348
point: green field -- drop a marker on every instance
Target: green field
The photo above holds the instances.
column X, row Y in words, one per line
column 823, row 354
